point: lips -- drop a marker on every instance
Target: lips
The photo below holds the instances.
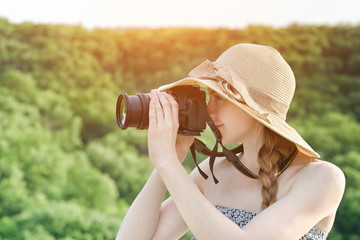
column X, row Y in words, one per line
column 218, row 125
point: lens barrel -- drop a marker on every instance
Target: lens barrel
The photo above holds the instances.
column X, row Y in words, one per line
column 133, row 110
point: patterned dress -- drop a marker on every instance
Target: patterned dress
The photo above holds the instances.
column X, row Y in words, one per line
column 243, row 217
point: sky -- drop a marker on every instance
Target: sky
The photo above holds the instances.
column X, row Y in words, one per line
column 181, row 13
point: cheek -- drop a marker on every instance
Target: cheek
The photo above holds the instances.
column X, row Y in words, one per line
column 238, row 126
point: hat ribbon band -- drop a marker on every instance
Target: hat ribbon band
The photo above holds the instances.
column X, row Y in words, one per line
column 240, row 92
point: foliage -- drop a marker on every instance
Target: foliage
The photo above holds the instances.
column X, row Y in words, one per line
column 68, row 172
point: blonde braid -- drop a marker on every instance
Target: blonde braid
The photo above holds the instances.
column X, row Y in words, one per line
column 275, row 150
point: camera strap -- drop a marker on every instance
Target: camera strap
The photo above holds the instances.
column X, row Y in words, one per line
column 230, row 155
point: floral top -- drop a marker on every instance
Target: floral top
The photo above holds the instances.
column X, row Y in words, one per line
column 243, row 217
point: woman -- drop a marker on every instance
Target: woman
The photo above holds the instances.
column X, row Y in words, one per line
column 292, row 195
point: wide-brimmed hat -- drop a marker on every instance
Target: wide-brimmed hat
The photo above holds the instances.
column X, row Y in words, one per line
column 258, row 80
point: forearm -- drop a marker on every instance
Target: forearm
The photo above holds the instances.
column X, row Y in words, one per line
column 203, row 219
column 141, row 219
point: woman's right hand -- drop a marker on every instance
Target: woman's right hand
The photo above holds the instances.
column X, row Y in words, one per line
column 163, row 127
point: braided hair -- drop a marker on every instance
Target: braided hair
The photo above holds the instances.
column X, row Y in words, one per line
column 274, row 150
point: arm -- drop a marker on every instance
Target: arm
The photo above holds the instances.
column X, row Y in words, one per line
column 149, row 218
column 141, row 220
column 171, row 225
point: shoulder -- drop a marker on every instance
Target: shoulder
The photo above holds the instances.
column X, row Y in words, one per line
column 316, row 188
column 321, row 181
column 323, row 173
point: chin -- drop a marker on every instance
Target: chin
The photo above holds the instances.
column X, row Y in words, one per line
column 227, row 141
column 224, row 142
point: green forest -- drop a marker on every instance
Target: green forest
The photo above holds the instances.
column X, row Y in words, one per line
column 67, row 171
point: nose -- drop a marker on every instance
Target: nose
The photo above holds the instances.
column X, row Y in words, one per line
column 211, row 109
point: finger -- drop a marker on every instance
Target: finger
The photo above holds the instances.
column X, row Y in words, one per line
column 158, row 111
column 174, row 108
column 165, row 103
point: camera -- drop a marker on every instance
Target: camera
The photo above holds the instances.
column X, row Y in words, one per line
column 133, row 110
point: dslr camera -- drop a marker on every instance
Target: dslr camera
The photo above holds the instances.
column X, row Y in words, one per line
column 133, row 110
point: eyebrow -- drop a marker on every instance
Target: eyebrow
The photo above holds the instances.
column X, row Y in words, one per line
column 216, row 94
column 210, row 91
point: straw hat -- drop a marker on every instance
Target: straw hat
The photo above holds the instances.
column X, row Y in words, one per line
column 258, row 80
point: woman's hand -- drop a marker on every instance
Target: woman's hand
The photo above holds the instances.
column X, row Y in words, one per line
column 183, row 144
column 163, row 142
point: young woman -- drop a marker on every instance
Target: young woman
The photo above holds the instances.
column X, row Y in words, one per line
column 292, row 195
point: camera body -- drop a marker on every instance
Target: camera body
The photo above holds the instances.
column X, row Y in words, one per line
column 133, row 111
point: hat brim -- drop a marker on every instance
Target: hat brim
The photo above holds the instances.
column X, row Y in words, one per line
column 276, row 124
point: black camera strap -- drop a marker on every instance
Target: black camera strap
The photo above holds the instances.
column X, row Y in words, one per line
column 230, row 155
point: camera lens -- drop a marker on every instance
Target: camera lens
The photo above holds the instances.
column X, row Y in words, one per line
column 122, row 112
column 133, row 110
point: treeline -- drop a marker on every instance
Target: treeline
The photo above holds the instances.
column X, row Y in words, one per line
column 68, row 172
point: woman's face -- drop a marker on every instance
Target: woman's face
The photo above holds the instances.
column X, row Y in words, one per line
column 234, row 124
